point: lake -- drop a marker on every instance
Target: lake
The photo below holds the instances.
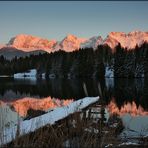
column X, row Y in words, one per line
column 24, row 99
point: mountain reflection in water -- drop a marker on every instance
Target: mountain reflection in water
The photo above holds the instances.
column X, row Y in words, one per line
column 22, row 105
column 124, row 97
column 126, row 108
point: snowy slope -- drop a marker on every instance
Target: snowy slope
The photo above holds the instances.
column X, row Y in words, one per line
column 49, row 118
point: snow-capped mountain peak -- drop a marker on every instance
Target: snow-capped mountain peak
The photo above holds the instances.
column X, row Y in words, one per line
column 70, row 43
column 129, row 40
column 70, row 37
column 31, row 43
column 92, row 42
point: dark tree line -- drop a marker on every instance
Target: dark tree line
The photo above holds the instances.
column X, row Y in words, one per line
column 83, row 63
column 131, row 63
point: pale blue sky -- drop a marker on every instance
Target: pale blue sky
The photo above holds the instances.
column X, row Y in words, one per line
column 54, row 20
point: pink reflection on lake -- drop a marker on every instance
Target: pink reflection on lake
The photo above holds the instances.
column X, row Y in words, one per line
column 22, row 106
column 130, row 108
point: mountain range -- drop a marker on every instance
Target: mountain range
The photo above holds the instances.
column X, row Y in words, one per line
column 23, row 45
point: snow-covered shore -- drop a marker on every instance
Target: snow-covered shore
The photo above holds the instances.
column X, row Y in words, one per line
column 51, row 117
column 31, row 74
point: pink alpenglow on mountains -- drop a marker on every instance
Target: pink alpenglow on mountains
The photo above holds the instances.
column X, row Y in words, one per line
column 128, row 41
column 71, row 43
column 31, row 43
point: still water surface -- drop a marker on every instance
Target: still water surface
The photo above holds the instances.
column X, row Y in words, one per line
column 127, row 98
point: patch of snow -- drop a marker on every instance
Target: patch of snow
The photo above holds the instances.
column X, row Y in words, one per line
column 7, row 116
column 114, row 125
column 31, row 74
column 95, row 114
column 52, row 76
column 109, row 82
column 51, row 117
column 92, row 130
column 109, row 73
column 135, row 126
column 43, row 75
column 128, row 143
column 109, row 145
column 142, row 75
